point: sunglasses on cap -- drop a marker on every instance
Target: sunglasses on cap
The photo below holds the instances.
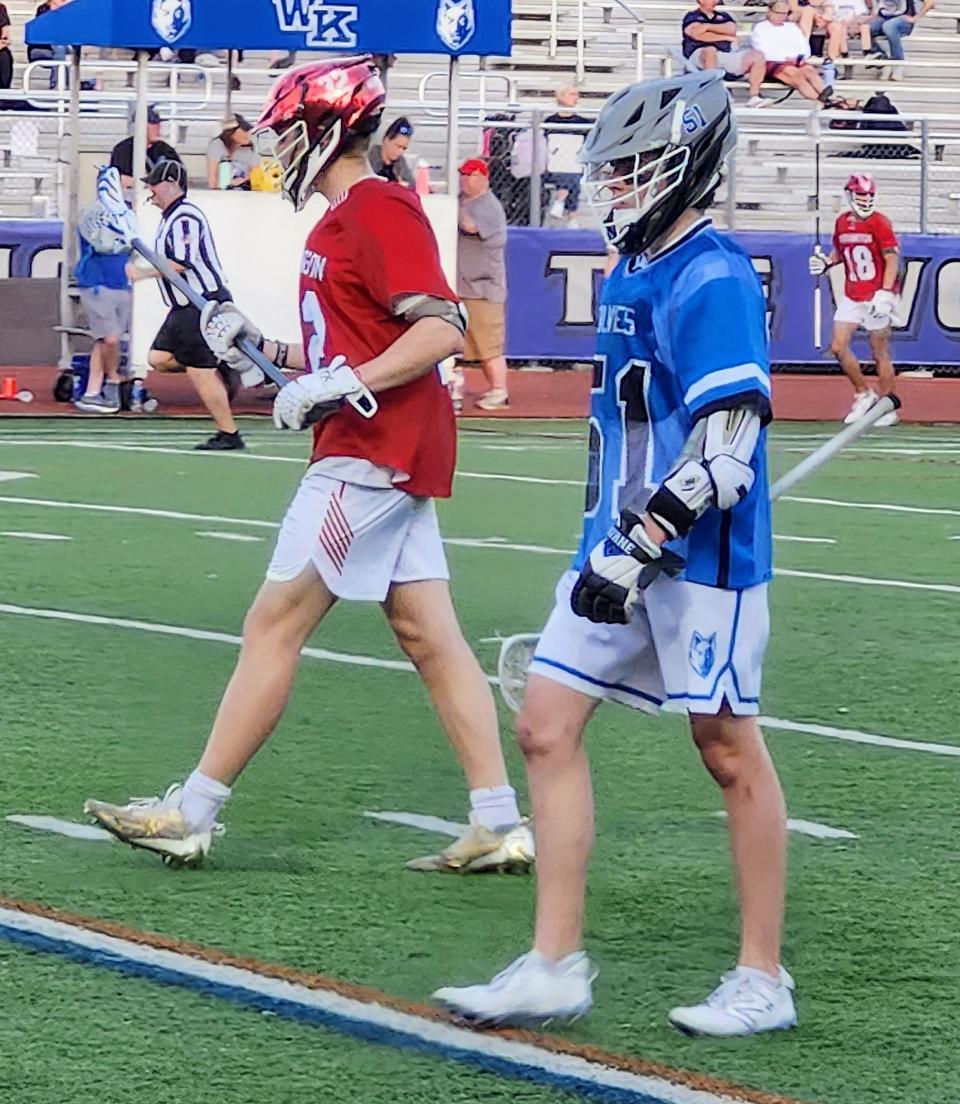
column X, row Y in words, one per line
column 397, row 130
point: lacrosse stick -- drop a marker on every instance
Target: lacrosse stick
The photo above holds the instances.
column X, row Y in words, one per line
column 516, row 652
column 817, row 291
column 122, row 222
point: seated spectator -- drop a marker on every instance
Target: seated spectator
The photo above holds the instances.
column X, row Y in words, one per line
column 710, row 42
column 786, row 51
column 821, row 17
column 231, row 157
column 387, row 159
column 6, row 57
column 157, row 150
column 894, row 21
column 857, row 16
column 48, row 53
column 563, row 147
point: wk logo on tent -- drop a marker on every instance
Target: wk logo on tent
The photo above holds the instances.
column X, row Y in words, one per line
column 171, row 19
column 456, row 22
column 324, row 24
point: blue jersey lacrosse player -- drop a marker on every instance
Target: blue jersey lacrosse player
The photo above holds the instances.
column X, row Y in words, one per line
column 666, row 604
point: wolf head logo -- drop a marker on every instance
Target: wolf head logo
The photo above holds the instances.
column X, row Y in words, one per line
column 456, row 22
column 171, row 19
column 703, row 653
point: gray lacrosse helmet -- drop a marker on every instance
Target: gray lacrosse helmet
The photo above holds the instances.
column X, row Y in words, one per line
column 657, row 148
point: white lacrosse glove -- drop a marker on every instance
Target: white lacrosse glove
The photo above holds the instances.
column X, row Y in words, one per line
column 818, row 263
column 883, row 304
column 223, row 325
column 311, row 398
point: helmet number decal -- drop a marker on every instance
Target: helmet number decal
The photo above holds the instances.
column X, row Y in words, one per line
column 693, row 119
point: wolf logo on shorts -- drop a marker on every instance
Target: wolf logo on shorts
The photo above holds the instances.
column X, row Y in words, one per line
column 703, row 651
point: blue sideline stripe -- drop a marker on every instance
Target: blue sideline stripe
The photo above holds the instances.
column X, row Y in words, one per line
column 596, row 681
column 318, row 1017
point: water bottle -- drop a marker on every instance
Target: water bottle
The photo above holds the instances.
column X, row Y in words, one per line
column 829, row 72
column 224, row 173
column 137, row 395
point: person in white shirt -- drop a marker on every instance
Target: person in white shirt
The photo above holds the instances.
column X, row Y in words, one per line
column 787, row 54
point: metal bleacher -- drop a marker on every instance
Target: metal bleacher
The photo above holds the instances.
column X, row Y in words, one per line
column 598, row 44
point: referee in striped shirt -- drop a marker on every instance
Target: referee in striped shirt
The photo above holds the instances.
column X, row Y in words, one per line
column 184, row 238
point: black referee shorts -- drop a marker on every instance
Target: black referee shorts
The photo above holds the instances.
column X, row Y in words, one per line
column 181, row 337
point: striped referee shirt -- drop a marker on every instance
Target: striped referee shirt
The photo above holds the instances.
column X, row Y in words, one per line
column 184, row 236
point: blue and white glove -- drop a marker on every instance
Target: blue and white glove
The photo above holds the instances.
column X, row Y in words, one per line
column 311, row 398
column 623, row 564
column 882, row 305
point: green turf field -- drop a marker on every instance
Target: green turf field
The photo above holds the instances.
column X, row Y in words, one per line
column 304, row 879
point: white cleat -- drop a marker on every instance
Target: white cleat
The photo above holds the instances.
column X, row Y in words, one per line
column 481, row 851
column 745, row 1002
column 861, row 404
column 155, row 824
column 887, row 420
column 531, row 990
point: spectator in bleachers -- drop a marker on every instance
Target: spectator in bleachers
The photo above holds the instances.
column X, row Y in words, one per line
column 822, row 18
column 231, row 157
column 387, row 159
column 482, row 278
column 895, row 21
column 48, row 53
column 710, row 42
column 157, row 150
column 787, row 51
column 6, row 56
column 857, row 16
column 563, row 147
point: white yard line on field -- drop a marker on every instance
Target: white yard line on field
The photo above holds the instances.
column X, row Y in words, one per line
column 23, row 534
column 851, row 735
column 215, row 535
column 61, row 827
column 892, row 507
column 10, row 476
column 810, row 828
column 488, row 543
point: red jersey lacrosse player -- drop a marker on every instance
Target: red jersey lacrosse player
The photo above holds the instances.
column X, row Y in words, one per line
column 377, row 318
column 865, row 243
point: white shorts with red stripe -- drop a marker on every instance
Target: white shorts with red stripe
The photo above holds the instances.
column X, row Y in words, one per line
column 360, row 539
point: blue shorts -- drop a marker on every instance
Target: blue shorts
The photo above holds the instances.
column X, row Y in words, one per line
column 688, row 648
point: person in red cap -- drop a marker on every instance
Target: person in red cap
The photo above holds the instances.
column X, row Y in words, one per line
column 482, row 278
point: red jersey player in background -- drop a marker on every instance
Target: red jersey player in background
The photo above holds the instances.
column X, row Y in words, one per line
column 377, row 318
column 865, row 243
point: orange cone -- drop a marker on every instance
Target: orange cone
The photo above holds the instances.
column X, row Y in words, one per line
column 8, row 389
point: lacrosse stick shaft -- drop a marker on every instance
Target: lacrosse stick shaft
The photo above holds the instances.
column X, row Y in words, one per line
column 818, row 290
column 246, row 346
column 830, row 448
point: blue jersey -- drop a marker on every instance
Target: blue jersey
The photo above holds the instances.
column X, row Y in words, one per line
column 107, row 270
column 679, row 337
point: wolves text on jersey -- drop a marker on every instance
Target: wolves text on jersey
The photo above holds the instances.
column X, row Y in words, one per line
column 615, row 319
column 313, row 265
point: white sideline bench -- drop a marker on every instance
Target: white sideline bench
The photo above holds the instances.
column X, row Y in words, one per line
column 38, row 176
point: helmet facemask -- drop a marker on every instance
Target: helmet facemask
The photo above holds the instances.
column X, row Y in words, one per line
column 861, row 203
column 622, row 193
column 301, row 165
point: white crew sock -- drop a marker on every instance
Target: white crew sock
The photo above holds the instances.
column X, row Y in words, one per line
column 495, row 808
column 201, row 801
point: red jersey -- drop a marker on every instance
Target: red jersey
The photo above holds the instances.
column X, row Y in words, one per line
column 860, row 244
column 373, row 248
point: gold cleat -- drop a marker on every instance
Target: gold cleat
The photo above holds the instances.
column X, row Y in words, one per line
column 479, row 851
column 155, row 824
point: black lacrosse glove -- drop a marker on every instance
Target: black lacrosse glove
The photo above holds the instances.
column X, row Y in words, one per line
column 623, row 564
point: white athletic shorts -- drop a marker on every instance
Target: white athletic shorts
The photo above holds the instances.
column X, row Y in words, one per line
column 687, row 649
column 859, row 314
column 360, row 539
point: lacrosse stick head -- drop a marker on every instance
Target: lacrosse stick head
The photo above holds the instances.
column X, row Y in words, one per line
column 97, row 227
column 516, row 655
column 116, row 218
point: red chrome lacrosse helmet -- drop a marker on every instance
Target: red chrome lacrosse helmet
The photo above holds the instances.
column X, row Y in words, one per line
column 312, row 113
column 861, row 190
